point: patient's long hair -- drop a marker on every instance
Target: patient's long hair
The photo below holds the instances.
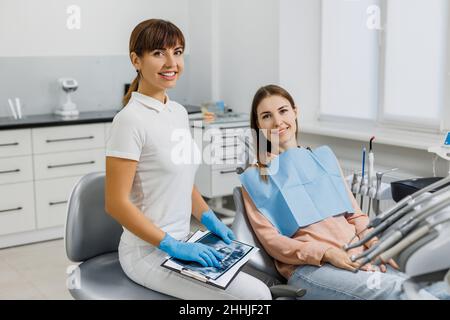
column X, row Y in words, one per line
column 262, row 145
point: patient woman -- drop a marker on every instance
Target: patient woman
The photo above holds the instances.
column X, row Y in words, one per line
column 311, row 256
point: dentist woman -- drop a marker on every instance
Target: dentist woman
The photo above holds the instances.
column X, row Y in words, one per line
column 148, row 191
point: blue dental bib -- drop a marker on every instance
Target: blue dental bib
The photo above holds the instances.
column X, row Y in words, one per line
column 303, row 187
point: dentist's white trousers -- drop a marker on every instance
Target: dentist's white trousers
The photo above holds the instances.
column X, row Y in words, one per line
column 142, row 264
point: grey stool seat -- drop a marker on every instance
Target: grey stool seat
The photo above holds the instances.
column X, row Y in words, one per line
column 102, row 278
column 92, row 237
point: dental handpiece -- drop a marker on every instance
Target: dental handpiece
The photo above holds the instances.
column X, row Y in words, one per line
column 395, row 217
column 372, row 195
column 381, row 227
column 396, row 236
column 377, row 220
column 379, row 179
column 407, row 241
column 247, row 151
column 363, row 192
column 354, row 184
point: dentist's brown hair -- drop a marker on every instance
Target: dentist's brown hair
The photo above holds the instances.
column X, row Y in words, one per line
column 260, row 140
column 150, row 35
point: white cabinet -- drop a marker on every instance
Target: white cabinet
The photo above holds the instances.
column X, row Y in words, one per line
column 51, row 201
column 38, row 169
column 67, row 138
column 15, row 143
column 221, row 143
column 63, row 164
column 16, row 169
column 16, row 208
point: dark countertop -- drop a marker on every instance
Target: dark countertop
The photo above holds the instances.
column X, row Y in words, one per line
column 51, row 120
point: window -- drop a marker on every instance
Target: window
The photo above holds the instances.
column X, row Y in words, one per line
column 385, row 61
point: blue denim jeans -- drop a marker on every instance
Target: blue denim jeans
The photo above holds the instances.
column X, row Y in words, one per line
column 331, row 283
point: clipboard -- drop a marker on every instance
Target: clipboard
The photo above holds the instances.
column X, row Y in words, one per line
column 236, row 256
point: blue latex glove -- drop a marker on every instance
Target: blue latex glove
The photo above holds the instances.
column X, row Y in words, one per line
column 198, row 252
column 213, row 224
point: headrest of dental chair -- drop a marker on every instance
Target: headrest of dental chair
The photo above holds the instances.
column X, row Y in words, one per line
column 243, row 231
column 90, row 230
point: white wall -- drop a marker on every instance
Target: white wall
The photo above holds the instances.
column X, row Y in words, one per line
column 202, row 66
column 446, row 121
column 38, row 27
column 248, row 49
column 299, row 53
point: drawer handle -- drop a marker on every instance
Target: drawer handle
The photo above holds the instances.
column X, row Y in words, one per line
column 227, row 171
column 69, row 164
column 9, row 144
column 14, row 209
column 69, row 139
column 57, row 202
column 231, row 158
column 236, row 127
column 230, row 145
column 10, row 171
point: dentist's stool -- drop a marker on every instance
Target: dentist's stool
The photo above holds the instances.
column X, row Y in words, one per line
column 92, row 237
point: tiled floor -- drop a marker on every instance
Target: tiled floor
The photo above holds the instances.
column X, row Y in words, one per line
column 35, row 271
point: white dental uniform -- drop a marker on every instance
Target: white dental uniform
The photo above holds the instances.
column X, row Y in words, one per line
column 157, row 135
column 150, row 132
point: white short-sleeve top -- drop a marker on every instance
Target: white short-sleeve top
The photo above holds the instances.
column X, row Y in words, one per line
column 157, row 135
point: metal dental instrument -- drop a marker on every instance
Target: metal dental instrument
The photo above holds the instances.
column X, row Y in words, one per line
column 363, row 186
column 395, row 217
column 378, row 219
column 402, row 231
column 354, row 186
column 247, row 151
column 370, row 175
column 407, row 241
column 376, row 202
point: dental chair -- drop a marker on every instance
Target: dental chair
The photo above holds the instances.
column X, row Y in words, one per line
column 261, row 265
column 92, row 237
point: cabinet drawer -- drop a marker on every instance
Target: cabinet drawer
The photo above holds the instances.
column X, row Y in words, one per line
column 65, row 164
column 229, row 156
column 68, row 138
column 16, row 208
column 18, row 169
column 15, row 143
column 223, row 181
column 51, row 201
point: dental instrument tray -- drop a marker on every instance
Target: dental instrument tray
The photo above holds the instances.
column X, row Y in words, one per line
column 403, row 188
column 236, row 255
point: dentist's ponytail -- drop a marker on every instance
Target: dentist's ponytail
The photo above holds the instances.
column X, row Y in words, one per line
column 133, row 87
column 150, row 35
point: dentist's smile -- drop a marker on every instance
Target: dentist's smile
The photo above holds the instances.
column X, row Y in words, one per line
column 169, row 75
